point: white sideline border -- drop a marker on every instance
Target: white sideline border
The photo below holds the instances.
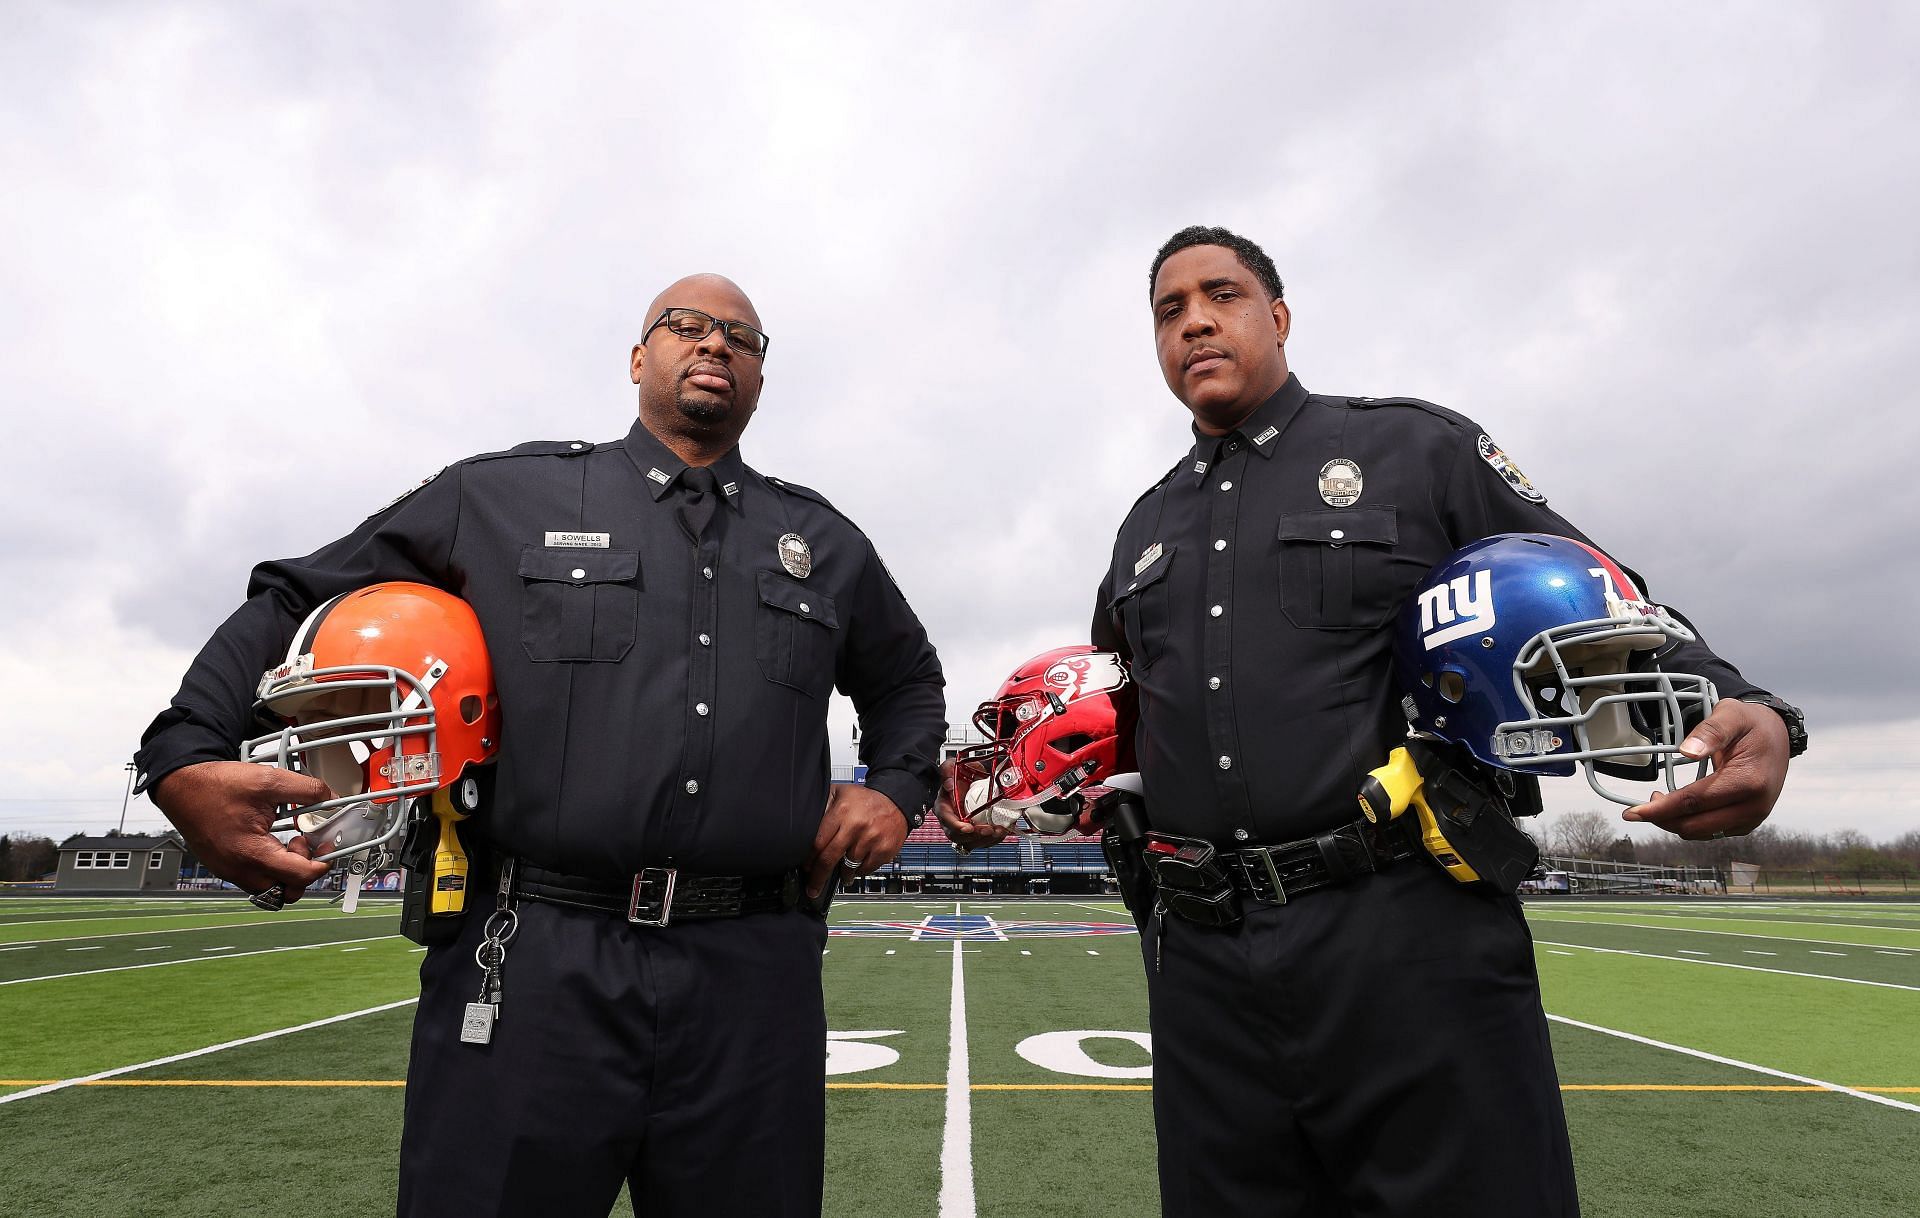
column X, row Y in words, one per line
column 956, row 1143
column 1739, row 934
column 1735, row 1062
column 63, row 1084
column 1745, row 968
column 128, row 968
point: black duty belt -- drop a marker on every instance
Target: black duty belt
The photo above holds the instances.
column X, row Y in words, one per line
column 659, row 896
column 1277, row 874
column 1204, row 883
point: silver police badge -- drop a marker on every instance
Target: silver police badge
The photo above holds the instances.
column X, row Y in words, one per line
column 796, row 555
column 1340, row 482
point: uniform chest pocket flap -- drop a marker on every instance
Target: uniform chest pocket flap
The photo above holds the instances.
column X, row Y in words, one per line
column 1143, row 609
column 579, row 605
column 1337, row 568
column 794, row 636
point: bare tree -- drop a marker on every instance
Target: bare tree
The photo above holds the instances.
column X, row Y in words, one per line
column 1585, row 835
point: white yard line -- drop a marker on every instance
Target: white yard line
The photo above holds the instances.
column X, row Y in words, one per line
column 269, row 920
column 1738, row 934
column 956, row 1147
column 127, row 968
column 64, row 1083
column 1747, row 968
column 1703, row 1055
column 1111, row 913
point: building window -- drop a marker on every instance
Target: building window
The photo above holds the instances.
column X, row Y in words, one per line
column 122, row 858
column 102, row 859
column 154, row 860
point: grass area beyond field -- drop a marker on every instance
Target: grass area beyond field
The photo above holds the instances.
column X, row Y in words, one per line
column 1729, row 1058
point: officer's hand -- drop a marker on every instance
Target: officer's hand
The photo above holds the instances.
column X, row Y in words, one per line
column 861, row 831
column 225, row 810
column 1748, row 745
column 961, row 831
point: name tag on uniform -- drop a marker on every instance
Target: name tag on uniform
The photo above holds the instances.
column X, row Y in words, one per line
column 579, row 541
column 1147, row 558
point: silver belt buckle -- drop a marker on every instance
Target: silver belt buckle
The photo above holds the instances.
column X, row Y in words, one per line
column 648, row 881
column 1273, row 874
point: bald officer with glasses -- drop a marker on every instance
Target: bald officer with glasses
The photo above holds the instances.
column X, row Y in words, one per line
column 666, row 626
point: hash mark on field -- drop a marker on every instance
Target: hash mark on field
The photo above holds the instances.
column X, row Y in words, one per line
column 163, row 947
column 1091, row 952
column 889, row 951
column 224, row 947
column 1556, row 952
column 24, row 947
column 1688, row 951
column 1751, row 952
column 353, row 949
column 1816, row 951
column 94, row 948
column 1881, row 951
column 1025, row 952
column 416, row 951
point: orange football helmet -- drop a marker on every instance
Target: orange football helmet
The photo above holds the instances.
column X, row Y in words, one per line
column 386, row 694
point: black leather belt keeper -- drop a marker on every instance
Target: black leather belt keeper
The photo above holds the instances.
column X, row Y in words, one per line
column 661, row 896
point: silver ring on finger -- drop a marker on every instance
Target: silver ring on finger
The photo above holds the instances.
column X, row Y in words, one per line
column 851, row 863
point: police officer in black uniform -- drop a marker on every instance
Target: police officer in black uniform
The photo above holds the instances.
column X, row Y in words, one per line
column 666, row 625
column 1375, row 1044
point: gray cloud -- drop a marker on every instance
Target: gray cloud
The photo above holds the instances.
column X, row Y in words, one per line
column 278, row 265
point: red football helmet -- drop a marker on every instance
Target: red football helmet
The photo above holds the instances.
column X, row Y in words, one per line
column 387, row 694
column 1052, row 730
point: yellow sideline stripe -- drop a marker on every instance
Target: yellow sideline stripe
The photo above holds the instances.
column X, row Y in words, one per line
column 395, row 1082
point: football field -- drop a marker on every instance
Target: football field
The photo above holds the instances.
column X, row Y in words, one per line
column 1719, row 1057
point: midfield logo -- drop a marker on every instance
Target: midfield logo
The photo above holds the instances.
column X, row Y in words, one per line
column 1453, row 610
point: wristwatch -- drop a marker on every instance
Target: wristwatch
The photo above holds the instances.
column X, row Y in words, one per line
column 1796, row 721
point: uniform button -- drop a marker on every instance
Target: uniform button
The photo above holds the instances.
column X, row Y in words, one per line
column 700, row 709
column 1234, row 447
column 1216, row 611
column 693, row 786
column 576, row 446
column 1226, row 763
column 579, row 573
column 1213, row 682
column 1226, row 486
column 1338, row 534
column 1221, row 544
column 707, row 572
column 804, row 608
column 706, row 640
column 1240, row 835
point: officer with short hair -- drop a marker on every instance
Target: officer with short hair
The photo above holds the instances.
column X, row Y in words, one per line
column 666, row 626
column 1372, row 1041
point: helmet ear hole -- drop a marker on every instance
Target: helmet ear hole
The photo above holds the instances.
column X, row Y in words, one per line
column 471, row 707
column 1452, row 687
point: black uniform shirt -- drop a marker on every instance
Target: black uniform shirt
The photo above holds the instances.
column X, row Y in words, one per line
column 1258, row 620
column 661, row 701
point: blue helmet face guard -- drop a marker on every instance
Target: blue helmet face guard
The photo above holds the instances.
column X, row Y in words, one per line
column 1538, row 654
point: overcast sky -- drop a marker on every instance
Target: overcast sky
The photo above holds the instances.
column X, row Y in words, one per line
column 266, row 266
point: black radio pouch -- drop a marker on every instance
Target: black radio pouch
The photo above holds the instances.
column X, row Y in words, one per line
column 1474, row 817
column 1191, row 879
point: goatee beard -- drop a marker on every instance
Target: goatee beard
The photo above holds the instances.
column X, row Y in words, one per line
column 704, row 413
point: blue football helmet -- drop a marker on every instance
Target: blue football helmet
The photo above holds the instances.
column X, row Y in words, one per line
column 1538, row 653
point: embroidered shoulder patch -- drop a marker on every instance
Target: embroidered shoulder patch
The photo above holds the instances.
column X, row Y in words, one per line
column 1509, row 473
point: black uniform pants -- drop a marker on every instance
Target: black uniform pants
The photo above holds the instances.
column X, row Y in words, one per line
column 689, row 1061
column 1376, row 1049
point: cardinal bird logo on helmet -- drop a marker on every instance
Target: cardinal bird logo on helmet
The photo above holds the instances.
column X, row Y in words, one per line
column 1051, row 730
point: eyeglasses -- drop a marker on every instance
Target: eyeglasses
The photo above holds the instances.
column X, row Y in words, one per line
column 691, row 325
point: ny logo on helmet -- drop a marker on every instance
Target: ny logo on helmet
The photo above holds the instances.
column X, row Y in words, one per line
column 1078, row 676
column 1457, row 608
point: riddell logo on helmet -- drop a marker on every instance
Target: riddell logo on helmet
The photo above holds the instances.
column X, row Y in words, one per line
column 1453, row 610
column 1079, row 676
